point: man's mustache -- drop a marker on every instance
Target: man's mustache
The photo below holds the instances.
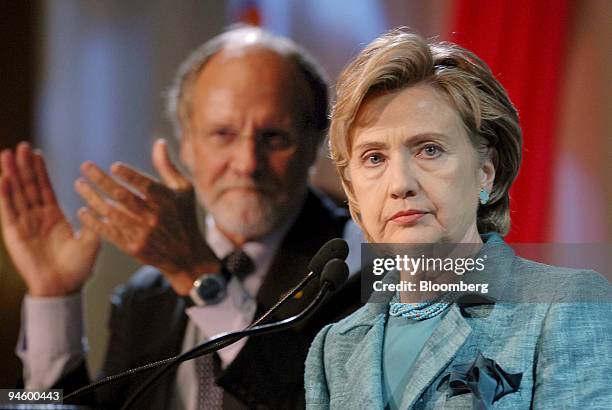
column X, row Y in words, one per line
column 265, row 186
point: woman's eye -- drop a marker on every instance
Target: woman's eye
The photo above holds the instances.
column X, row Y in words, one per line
column 373, row 159
column 431, row 151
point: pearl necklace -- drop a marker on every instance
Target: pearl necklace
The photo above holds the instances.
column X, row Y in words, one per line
column 422, row 310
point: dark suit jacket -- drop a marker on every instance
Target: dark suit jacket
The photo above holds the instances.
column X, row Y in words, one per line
column 148, row 323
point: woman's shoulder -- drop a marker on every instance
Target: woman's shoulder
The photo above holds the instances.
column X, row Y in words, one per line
column 561, row 284
column 517, row 279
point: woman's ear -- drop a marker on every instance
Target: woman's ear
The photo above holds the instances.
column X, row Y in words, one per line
column 186, row 153
column 487, row 175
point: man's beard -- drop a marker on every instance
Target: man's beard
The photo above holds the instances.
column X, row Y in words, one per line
column 251, row 213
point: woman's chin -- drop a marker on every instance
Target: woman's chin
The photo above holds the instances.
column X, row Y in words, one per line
column 413, row 234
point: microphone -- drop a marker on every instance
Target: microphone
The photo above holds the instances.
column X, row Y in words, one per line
column 333, row 249
column 335, row 272
column 336, row 248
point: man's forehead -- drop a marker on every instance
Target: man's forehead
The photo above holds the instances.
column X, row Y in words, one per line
column 248, row 77
column 225, row 105
column 248, row 70
column 243, row 81
column 251, row 55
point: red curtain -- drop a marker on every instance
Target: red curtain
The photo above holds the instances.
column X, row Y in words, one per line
column 248, row 12
column 523, row 41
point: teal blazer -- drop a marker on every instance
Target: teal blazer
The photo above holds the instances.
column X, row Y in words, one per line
column 562, row 347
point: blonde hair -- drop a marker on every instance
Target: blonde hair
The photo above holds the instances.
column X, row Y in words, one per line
column 400, row 59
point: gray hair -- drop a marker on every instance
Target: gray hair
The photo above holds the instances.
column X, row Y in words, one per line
column 179, row 99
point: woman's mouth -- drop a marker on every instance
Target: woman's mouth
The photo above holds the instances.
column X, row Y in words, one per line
column 409, row 217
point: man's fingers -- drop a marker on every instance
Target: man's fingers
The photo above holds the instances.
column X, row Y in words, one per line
column 166, row 169
column 27, row 176
column 125, row 239
column 139, row 180
column 92, row 224
column 42, row 177
column 101, row 206
column 112, row 188
column 93, row 199
column 8, row 213
column 99, row 178
column 9, row 171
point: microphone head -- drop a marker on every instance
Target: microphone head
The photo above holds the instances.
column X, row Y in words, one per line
column 334, row 248
column 335, row 272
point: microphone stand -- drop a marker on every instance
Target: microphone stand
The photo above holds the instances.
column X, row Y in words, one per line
column 334, row 248
column 227, row 339
column 154, row 365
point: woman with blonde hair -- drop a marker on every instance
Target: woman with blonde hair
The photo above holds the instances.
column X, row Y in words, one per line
column 427, row 144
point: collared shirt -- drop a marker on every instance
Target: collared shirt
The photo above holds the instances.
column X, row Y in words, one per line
column 233, row 313
column 236, row 311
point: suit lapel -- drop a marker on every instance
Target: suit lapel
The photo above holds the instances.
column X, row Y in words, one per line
column 364, row 366
column 287, row 270
column 318, row 222
column 437, row 352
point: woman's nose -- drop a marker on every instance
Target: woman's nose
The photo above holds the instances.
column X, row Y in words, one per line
column 404, row 183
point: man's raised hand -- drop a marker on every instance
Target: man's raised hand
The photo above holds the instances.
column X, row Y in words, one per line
column 152, row 221
column 51, row 257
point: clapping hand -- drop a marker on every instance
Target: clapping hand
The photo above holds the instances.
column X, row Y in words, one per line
column 51, row 257
column 153, row 221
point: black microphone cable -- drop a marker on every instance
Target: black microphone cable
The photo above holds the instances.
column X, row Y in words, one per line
column 336, row 248
column 334, row 274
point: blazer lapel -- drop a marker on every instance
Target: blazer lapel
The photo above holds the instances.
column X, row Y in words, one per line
column 363, row 368
column 436, row 354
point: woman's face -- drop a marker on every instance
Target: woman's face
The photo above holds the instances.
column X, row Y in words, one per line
column 414, row 172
